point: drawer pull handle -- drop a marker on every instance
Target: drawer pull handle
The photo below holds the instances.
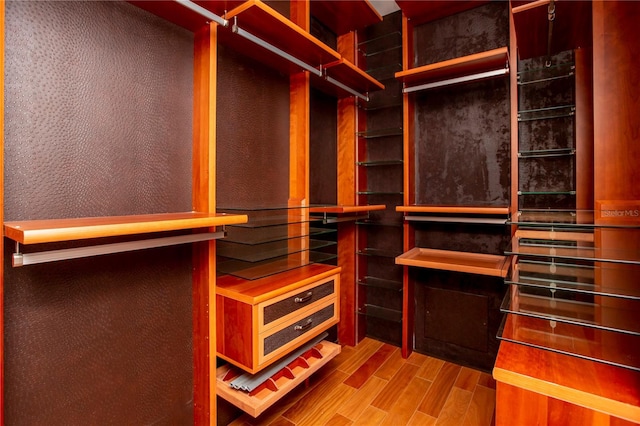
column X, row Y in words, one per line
column 304, row 298
column 304, row 326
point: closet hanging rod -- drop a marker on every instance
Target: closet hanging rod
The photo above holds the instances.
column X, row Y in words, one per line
column 451, row 219
column 22, row 259
column 236, row 29
column 463, row 79
column 346, row 88
column 204, row 12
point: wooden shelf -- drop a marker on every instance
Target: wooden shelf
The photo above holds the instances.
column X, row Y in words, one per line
column 347, row 209
column 180, row 15
column 349, row 75
column 594, row 385
column 448, row 260
column 426, row 11
column 571, row 29
column 342, row 17
column 255, row 291
column 454, row 209
column 264, row 22
column 279, row 386
column 476, row 63
column 55, row 230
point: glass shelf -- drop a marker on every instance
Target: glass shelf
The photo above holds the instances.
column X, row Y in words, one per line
column 254, row 236
column 269, row 250
column 382, row 44
column 397, row 224
column 547, row 113
column 379, row 193
column 595, row 345
column 381, row 133
column 376, row 252
column 541, row 153
column 381, row 313
column 256, row 270
column 621, row 319
column 381, row 283
column 380, row 163
column 617, row 281
column 578, row 251
column 541, row 75
column 546, row 192
column 573, row 219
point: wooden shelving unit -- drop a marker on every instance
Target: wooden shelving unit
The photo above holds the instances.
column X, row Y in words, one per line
column 449, row 260
column 55, row 230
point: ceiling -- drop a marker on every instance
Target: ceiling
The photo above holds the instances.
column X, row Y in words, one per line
column 384, row 7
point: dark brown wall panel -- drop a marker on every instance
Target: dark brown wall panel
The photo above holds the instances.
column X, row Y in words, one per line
column 252, row 163
column 98, row 121
column 323, row 149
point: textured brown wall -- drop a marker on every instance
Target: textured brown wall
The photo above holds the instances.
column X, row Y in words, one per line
column 98, row 114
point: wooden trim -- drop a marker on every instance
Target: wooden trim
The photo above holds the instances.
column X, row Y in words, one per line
column 204, row 315
column 513, row 95
column 600, row 387
column 584, row 129
column 453, row 209
column 449, row 260
column 56, row 230
column 555, row 235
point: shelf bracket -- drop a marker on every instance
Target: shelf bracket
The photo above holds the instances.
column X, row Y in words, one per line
column 204, row 12
column 273, row 49
column 22, row 259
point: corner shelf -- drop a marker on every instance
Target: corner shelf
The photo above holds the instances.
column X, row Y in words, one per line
column 56, row 230
column 477, row 66
column 449, row 260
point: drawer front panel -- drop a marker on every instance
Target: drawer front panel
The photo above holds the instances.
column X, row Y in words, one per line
column 297, row 329
column 297, row 301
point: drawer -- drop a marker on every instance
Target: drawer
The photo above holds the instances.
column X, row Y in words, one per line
column 282, row 309
column 309, row 323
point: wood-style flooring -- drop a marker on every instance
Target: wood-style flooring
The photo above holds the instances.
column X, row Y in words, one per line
column 371, row 384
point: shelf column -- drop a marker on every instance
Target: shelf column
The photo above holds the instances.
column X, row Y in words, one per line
column 204, row 200
column 2, row 214
column 348, row 125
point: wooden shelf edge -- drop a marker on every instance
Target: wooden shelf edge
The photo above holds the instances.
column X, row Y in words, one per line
column 253, row 292
column 454, row 209
column 57, row 230
column 561, row 391
column 255, row 405
column 530, row 5
column 457, row 261
column 347, row 209
column 465, row 65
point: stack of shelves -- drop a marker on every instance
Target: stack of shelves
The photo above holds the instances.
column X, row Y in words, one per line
column 379, row 164
column 546, row 133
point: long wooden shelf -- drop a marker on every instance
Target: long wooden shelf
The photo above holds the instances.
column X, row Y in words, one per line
column 448, row 260
column 453, row 209
column 342, row 17
column 571, row 29
column 476, row 63
column 56, row 230
column 594, row 385
column 347, row 209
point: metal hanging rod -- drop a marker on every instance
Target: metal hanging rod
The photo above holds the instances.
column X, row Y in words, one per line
column 22, row 259
column 451, row 81
column 204, row 12
column 236, row 29
column 348, row 89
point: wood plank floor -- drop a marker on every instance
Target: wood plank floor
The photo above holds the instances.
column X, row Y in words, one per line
column 371, row 384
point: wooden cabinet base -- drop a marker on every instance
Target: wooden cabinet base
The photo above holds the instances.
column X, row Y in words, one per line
column 279, row 384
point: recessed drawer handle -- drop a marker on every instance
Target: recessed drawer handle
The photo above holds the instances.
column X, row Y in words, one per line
column 304, row 298
column 304, row 326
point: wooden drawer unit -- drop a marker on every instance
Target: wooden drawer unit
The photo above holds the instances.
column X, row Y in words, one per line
column 259, row 321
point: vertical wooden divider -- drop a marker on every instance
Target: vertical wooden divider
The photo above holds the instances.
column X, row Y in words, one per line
column 513, row 87
column 408, row 127
column 204, row 200
column 346, row 170
column 584, row 130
